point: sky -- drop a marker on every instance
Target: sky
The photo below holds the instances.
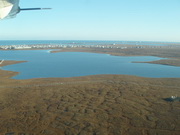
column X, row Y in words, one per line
column 127, row 20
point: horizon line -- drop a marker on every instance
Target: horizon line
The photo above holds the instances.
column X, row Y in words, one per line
column 87, row 40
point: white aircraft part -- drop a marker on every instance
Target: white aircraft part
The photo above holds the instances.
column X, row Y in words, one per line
column 5, row 8
column 9, row 8
column 1, row 61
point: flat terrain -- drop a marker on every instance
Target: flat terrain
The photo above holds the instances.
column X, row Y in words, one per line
column 91, row 105
column 170, row 52
column 170, row 62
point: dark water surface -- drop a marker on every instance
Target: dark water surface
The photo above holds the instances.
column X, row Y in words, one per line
column 42, row 64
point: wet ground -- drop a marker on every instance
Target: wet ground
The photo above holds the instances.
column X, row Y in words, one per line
column 92, row 105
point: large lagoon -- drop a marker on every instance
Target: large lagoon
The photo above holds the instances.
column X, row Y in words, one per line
column 43, row 64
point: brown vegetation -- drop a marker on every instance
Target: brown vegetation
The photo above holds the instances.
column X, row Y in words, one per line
column 10, row 62
column 91, row 105
column 170, row 62
column 164, row 52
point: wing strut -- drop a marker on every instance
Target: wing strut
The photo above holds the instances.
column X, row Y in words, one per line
column 25, row 9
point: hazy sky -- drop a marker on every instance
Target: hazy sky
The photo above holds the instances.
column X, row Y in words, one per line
column 145, row 20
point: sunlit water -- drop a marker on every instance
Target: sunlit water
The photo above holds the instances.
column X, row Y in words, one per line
column 79, row 42
column 42, row 64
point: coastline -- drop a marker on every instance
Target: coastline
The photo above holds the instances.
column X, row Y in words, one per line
column 125, row 103
column 169, row 62
column 172, row 54
column 10, row 62
column 5, row 76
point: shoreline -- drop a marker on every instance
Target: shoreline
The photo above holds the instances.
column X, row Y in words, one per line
column 171, row 53
column 10, row 62
column 8, row 74
column 81, row 104
column 171, row 58
column 5, row 75
column 168, row 62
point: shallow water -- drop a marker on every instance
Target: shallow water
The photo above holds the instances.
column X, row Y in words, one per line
column 42, row 64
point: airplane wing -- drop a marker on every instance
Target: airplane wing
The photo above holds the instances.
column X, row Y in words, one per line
column 8, row 8
column 5, row 8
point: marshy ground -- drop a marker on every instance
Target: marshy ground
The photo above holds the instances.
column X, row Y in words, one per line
column 91, row 105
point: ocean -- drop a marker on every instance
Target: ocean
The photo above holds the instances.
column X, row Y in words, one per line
column 80, row 42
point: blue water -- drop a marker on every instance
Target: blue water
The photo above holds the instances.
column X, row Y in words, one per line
column 79, row 42
column 42, row 64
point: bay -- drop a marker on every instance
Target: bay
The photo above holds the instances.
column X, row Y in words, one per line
column 43, row 64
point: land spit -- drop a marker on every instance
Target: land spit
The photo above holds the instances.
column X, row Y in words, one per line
column 90, row 105
column 171, row 51
column 171, row 54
